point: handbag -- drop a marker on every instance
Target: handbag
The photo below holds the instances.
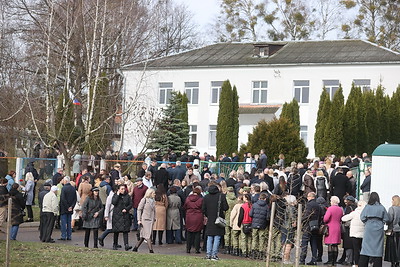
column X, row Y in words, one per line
column 247, row 228
column 220, row 222
column 314, row 226
column 324, row 229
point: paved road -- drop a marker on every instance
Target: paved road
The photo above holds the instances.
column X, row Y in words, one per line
column 29, row 232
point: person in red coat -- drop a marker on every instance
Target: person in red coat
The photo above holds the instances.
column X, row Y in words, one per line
column 137, row 194
column 333, row 218
column 194, row 219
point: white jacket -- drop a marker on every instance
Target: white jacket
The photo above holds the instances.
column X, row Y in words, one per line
column 356, row 225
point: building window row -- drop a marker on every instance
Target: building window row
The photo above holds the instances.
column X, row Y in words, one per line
column 259, row 90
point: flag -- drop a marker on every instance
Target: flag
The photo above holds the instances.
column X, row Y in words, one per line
column 76, row 102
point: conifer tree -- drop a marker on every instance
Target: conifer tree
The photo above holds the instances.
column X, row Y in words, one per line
column 372, row 124
column 322, row 118
column 172, row 131
column 334, row 128
column 276, row 137
column 394, row 115
column 235, row 119
column 382, row 104
column 291, row 111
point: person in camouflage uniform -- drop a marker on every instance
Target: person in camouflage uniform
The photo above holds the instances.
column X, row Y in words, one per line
column 245, row 223
column 260, row 214
column 233, row 222
column 231, row 199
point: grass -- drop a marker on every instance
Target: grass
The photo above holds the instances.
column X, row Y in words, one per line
column 41, row 254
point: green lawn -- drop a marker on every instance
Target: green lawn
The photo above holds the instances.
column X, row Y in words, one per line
column 40, row 254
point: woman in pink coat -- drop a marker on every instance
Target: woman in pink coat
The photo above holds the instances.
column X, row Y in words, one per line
column 332, row 218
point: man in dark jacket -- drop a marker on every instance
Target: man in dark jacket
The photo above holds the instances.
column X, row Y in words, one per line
column 57, row 176
column 115, row 174
column 260, row 214
column 161, row 176
column 366, row 185
column 312, row 213
column 179, row 171
column 211, row 203
column 263, row 159
column 67, row 204
column 340, row 186
column 294, row 183
column 3, row 200
column 142, row 172
column 42, row 193
column 137, row 194
column 153, row 169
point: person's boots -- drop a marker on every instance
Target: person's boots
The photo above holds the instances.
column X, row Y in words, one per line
column 153, row 239
column 329, row 258
column 240, row 253
column 343, row 258
column 160, row 234
column 236, row 251
column 231, row 250
column 226, row 249
column 334, row 257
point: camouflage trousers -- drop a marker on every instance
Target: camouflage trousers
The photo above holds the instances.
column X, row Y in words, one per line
column 245, row 241
column 228, row 236
column 276, row 246
column 259, row 239
column 236, row 238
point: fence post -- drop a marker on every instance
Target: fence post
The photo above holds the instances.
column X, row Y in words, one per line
column 271, row 227
column 8, row 232
column 299, row 226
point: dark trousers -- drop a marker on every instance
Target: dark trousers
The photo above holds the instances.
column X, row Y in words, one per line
column 105, row 233
column 95, row 236
column 172, row 235
column 124, row 234
column 46, row 226
column 320, row 247
column 308, row 237
column 29, row 211
column 356, row 249
column 193, row 239
column 134, row 221
column 364, row 260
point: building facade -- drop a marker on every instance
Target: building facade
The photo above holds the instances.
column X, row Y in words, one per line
column 266, row 76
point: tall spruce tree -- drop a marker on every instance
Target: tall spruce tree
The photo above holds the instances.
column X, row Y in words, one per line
column 382, row 104
column 322, row 119
column 172, row 131
column 394, row 115
column 334, row 128
column 228, row 120
column 291, row 111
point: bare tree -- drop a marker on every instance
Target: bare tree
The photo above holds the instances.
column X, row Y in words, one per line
column 328, row 15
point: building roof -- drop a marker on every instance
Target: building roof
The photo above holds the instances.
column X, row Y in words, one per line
column 388, row 150
column 283, row 53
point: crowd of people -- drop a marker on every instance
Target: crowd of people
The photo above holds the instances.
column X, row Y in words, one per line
column 209, row 210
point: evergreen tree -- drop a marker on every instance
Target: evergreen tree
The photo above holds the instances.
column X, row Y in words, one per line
column 322, row 118
column 372, row 124
column 394, row 115
column 172, row 131
column 228, row 120
column 277, row 136
column 334, row 128
column 382, row 104
column 291, row 111
column 235, row 119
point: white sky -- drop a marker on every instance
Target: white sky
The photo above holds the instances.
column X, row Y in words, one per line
column 204, row 11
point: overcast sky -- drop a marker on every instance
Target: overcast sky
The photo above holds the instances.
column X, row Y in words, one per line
column 204, row 11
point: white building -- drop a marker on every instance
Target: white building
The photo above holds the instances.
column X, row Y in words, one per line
column 266, row 76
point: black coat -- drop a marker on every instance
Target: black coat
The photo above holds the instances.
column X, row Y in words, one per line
column 3, row 196
column 161, row 177
column 294, row 185
column 210, row 210
column 340, row 186
column 270, row 182
column 18, row 205
column 179, row 173
column 121, row 221
column 67, row 199
column 313, row 211
column 56, row 177
column 260, row 214
column 231, row 182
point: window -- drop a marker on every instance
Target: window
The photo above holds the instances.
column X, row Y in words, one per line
column 215, row 92
column 303, row 133
column 364, row 84
column 213, row 136
column 301, row 91
column 331, row 86
column 193, row 135
column 165, row 92
column 192, row 92
column 260, row 92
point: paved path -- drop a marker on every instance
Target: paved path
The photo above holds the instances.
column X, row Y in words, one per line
column 29, row 232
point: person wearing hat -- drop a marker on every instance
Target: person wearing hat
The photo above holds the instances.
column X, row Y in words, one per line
column 49, row 212
column 138, row 193
column 115, row 174
column 92, row 210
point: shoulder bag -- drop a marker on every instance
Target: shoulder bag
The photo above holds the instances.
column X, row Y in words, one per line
column 220, row 222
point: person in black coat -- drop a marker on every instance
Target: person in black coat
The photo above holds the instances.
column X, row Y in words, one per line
column 18, row 205
column 210, row 210
column 294, row 183
column 341, row 186
column 67, row 204
column 179, row 171
column 161, row 176
column 121, row 221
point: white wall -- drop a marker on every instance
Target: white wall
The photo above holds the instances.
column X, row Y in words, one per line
column 280, row 90
column 385, row 178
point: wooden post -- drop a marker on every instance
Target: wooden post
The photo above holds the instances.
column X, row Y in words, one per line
column 8, row 233
column 299, row 226
column 271, row 227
